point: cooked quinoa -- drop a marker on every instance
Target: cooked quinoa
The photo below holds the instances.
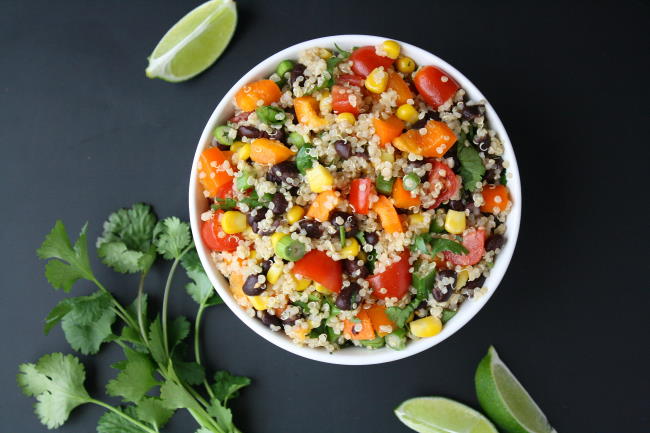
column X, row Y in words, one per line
column 356, row 198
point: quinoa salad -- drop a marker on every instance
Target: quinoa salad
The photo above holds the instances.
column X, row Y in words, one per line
column 356, row 198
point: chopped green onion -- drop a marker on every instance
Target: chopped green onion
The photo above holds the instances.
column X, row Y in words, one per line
column 342, row 235
column 222, row 135
column 271, row 115
column 290, row 249
column 384, row 186
column 411, row 181
column 296, row 139
column 284, row 67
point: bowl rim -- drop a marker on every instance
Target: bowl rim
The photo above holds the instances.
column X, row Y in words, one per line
column 357, row 355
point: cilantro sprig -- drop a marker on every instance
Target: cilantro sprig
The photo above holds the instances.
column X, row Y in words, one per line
column 156, row 378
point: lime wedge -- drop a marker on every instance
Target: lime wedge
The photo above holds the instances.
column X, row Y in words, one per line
column 441, row 415
column 505, row 401
column 195, row 42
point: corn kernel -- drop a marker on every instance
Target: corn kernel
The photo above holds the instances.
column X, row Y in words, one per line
column 391, row 48
column 387, row 156
column 294, row 214
column 299, row 333
column 324, row 53
column 377, row 80
column 243, row 150
column 455, row 222
column 405, row 65
column 319, row 179
column 462, row 278
column 274, row 273
column 258, row 302
column 252, row 255
column 322, row 289
column 233, row 222
column 351, row 248
column 301, row 283
column 275, row 238
column 426, row 327
column 407, row 113
column 325, row 102
column 346, row 117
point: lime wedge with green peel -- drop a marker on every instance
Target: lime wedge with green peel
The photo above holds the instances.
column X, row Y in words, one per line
column 441, row 415
column 505, row 401
column 195, row 42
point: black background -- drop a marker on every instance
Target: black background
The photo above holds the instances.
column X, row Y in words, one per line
column 84, row 133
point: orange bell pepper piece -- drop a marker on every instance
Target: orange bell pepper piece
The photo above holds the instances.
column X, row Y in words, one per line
column 267, row 151
column 403, row 198
column 379, row 318
column 437, row 140
column 388, row 215
column 366, row 332
column 307, row 112
column 324, row 203
column 388, row 129
column 495, row 197
column 266, row 90
column 212, row 170
column 397, row 83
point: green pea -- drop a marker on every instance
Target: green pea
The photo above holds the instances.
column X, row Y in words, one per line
column 284, row 67
column 411, row 181
column 296, row 139
column 271, row 115
column 222, row 135
column 396, row 340
column 290, row 249
column 447, row 315
column 375, row 343
column 304, row 160
column 384, row 186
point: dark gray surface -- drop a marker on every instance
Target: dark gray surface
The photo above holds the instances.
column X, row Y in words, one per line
column 84, row 133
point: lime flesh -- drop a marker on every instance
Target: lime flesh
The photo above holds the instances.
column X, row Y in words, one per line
column 505, row 400
column 441, row 415
column 195, row 42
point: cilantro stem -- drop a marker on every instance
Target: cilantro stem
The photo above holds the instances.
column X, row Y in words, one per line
column 143, row 332
column 205, row 420
column 197, row 351
column 120, row 311
column 123, row 415
column 168, row 284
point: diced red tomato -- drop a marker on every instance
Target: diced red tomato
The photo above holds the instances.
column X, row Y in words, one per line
column 214, row 236
column 341, row 100
column 474, row 241
column 450, row 183
column 435, row 86
column 360, row 191
column 351, row 79
column 225, row 191
column 396, row 279
column 365, row 59
column 318, row 266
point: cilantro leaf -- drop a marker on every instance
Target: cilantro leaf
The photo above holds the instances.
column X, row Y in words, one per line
column 174, row 396
column 126, row 243
column 200, row 289
column 72, row 264
column 225, row 204
column 227, row 386
column 156, row 344
column 189, row 372
column 56, row 381
column 171, row 237
column 471, row 167
column 111, row 422
column 425, row 243
column 342, row 53
column 222, row 414
column 178, row 330
column 57, row 314
column 400, row 315
column 135, row 379
column 152, row 411
column 88, row 323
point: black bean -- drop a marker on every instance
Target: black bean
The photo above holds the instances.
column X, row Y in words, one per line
column 343, row 148
column 441, row 291
column 473, row 285
column 278, row 134
column 362, row 154
column 268, row 232
column 349, row 222
column 312, row 228
column 456, row 205
column 269, row 319
column 345, row 298
column 284, row 172
column 471, row 112
column 494, row 242
column 371, row 237
column 280, row 203
column 255, row 216
column 483, row 142
column 266, row 265
column 251, row 286
column 296, row 72
column 249, row 131
column 429, row 115
column 354, row 269
column 492, row 175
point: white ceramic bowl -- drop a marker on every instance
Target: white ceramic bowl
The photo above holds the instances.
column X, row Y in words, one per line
column 354, row 355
